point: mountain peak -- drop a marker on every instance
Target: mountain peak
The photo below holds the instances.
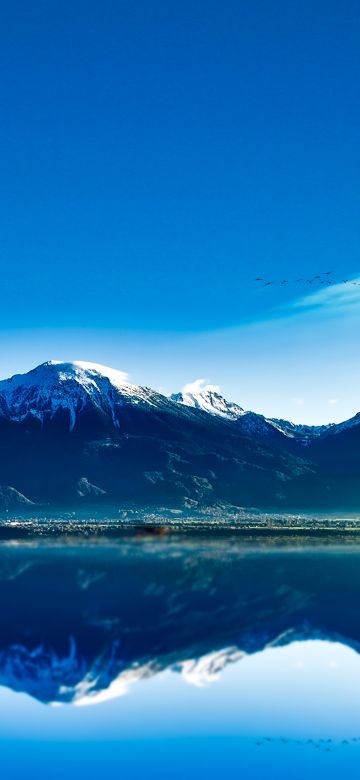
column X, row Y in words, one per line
column 77, row 369
column 70, row 386
column 209, row 401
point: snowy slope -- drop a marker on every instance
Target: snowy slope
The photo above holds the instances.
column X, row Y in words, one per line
column 343, row 426
column 72, row 387
column 300, row 432
column 58, row 385
column 210, row 401
column 213, row 403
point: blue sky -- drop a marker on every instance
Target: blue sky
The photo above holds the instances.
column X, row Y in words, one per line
column 155, row 158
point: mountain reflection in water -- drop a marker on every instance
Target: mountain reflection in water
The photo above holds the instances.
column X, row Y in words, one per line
column 80, row 622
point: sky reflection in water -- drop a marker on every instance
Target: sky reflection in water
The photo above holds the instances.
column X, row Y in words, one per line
column 165, row 657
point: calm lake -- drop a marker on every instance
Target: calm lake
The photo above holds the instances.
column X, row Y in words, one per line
column 179, row 656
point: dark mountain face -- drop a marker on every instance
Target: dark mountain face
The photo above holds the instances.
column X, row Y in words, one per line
column 125, row 612
column 155, row 456
column 70, row 433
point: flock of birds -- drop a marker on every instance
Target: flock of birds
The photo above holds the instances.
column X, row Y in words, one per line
column 322, row 744
column 322, row 278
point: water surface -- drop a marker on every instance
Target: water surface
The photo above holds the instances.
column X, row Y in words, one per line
column 157, row 656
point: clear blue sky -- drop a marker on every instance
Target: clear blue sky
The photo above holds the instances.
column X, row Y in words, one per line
column 157, row 156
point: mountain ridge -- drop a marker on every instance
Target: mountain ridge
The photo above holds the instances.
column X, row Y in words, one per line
column 81, row 431
column 87, row 375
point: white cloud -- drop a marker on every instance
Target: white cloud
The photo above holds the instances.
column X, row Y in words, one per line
column 333, row 401
column 333, row 298
column 115, row 376
column 299, row 401
column 200, row 386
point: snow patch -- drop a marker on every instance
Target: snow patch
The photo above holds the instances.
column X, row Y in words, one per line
column 209, row 401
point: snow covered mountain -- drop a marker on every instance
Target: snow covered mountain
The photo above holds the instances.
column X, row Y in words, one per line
column 211, row 402
column 74, row 388
column 71, row 387
column 80, row 431
column 215, row 404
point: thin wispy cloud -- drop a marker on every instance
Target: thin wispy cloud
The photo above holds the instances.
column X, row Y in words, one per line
column 200, row 386
column 334, row 299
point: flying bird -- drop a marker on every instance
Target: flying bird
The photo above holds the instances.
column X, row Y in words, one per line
column 318, row 278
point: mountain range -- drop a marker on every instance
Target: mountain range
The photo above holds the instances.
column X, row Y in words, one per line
column 79, row 432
